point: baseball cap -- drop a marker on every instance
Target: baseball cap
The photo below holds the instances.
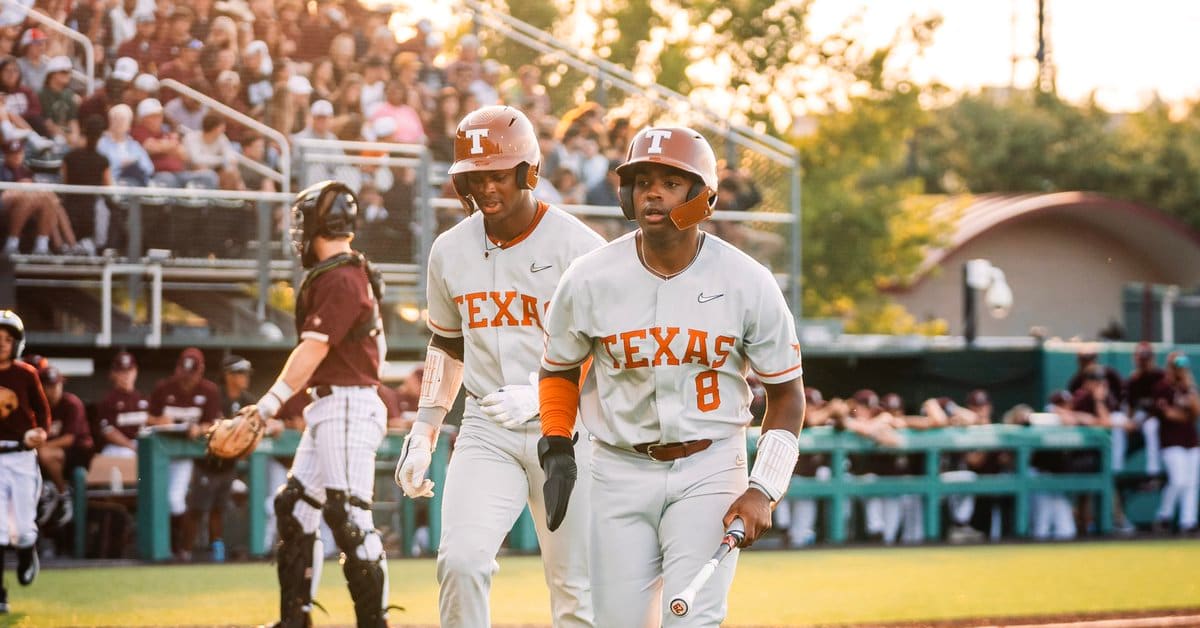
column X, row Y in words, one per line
column 236, row 364
column 892, row 402
column 383, row 128
column 299, row 85
column 50, row 375
column 149, row 107
column 978, row 397
column 228, row 76
column 322, row 108
column 257, row 46
column 146, row 83
column 124, row 361
column 31, row 36
column 61, row 63
column 194, row 44
column 144, row 17
column 191, row 360
column 125, row 69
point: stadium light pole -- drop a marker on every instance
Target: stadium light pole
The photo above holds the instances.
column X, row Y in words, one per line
column 980, row 274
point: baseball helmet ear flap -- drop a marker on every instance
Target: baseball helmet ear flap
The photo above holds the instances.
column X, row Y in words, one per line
column 494, row 138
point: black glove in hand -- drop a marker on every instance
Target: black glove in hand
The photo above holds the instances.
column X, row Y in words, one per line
column 556, row 454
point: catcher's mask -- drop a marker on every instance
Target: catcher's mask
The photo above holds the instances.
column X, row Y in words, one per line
column 494, row 138
column 10, row 321
column 328, row 209
column 683, row 149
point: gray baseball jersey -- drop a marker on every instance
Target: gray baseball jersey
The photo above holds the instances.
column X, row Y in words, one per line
column 671, row 356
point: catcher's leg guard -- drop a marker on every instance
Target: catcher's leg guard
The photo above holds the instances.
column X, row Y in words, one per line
column 363, row 559
column 298, row 557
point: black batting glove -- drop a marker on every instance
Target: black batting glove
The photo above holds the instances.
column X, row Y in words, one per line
column 556, row 455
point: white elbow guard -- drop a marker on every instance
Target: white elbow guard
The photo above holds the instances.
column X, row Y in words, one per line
column 439, row 386
column 778, row 451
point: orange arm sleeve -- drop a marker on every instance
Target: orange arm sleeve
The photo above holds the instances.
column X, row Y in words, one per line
column 559, row 402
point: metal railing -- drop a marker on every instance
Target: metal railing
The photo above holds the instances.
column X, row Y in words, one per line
column 154, row 339
column 89, row 55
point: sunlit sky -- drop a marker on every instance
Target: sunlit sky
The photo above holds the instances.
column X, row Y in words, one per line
column 1124, row 50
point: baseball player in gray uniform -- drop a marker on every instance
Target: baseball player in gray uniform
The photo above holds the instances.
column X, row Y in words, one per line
column 672, row 319
column 338, row 359
column 490, row 280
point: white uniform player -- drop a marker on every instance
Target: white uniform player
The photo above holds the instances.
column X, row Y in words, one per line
column 672, row 319
column 490, row 281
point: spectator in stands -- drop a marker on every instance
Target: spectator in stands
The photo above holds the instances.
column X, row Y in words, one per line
column 229, row 92
column 571, row 190
column 143, row 87
column 485, row 86
column 319, row 128
column 1087, row 357
column 122, row 22
column 409, row 129
column 166, row 150
column 620, row 135
column 203, row 18
column 383, row 43
column 222, row 38
column 1177, row 406
column 69, row 443
column 177, row 37
column 187, row 404
column 186, row 67
column 374, row 85
column 444, row 124
column 525, row 92
column 342, row 51
column 60, row 105
column 299, row 101
column 123, row 410
column 23, row 205
column 126, row 158
column 210, row 149
column 257, row 69
column 89, row 214
column 1139, row 399
column 212, row 478
column 406, row 67
column 88, row 17
column 254, row 148
column 186, row 113
column 33, row 60
column 321, row 77
column 22, row 105
column 466, row 67
column 141, row 46
column 113, row 92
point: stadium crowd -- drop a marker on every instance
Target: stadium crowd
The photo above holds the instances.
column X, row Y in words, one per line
column 1152, row 409
column 326, row 70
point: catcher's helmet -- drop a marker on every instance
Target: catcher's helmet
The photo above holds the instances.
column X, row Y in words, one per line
column 680, row 148
column 494, row 138
column 327, row 209
column 10, row 320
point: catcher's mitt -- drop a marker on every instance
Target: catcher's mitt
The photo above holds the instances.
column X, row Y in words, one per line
column 235, row 438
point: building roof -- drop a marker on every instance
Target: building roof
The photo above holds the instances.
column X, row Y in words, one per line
column 1165, row 240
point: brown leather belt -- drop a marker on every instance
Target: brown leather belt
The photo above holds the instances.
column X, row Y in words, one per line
column 666, row 452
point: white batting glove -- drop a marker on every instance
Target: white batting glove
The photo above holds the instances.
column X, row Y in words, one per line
column 514, row 405
column 415, row 457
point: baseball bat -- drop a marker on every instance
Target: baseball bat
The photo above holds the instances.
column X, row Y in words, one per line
column 682, row 603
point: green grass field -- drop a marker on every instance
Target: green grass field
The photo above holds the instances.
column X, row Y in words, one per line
column 825, row 586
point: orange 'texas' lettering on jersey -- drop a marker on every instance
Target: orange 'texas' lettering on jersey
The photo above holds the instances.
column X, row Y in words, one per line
column 630, row 349
column 500, row 309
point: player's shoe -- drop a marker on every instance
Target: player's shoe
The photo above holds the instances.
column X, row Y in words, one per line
column 3, row 600
column 27, row 565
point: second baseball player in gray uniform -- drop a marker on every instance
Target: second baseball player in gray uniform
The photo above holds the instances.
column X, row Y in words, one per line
column 672, row 319
column 490, row 280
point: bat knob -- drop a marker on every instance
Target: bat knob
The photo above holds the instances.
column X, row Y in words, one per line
column 679, row 607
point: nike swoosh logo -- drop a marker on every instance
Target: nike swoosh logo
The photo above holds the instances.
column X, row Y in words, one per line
column 704, row 299
column 534, row 268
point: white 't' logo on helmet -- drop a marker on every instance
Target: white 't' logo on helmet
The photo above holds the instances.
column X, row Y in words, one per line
column 656, row 137
column 476, row 135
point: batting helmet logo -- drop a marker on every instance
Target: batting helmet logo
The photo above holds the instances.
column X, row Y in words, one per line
column 680, row 148
column 494, row 138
